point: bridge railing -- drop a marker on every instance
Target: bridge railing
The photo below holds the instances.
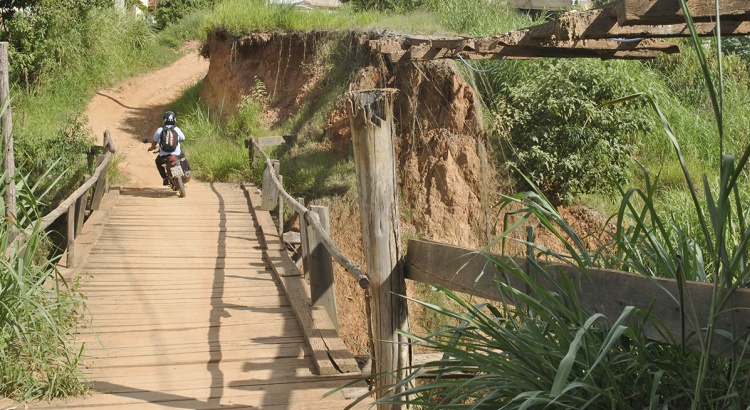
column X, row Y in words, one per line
column 317, row 251
column 76, row 205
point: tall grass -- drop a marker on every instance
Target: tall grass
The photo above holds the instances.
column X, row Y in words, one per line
column 39, row 311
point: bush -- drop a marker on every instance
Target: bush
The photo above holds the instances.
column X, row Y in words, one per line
column 562, row 137
column 171, row 11
column 381, row 5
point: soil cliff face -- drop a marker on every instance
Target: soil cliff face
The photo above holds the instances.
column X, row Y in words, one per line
column 440, row 135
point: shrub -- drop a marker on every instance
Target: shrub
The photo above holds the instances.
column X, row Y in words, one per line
column 171, row 11
column 381, row 5
column 562, row 137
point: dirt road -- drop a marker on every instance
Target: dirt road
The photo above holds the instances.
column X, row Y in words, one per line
column 133, row 110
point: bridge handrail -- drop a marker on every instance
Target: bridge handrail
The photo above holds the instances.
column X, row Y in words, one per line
column 312, row 219
column 67, row 204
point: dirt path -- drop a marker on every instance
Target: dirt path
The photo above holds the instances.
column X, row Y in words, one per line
column 133, row 109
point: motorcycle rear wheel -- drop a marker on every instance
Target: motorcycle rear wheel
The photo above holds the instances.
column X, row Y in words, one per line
column 180, row 186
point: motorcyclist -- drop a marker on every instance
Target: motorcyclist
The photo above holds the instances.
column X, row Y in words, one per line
column 169, row 120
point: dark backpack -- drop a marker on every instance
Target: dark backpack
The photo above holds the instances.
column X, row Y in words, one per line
column 169, row 139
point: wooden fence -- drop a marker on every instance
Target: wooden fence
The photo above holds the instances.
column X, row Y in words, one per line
column 77, row 204
column 314, row 305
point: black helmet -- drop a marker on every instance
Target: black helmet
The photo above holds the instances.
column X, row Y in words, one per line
column 169, row 118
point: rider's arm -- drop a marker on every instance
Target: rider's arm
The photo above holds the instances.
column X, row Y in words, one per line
column 180, row 134
column 155, row 139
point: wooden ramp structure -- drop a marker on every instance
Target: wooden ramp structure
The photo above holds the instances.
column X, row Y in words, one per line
column 185, row 312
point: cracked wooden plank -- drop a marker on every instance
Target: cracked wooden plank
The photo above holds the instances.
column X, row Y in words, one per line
column 603, row 23
column 640, row 12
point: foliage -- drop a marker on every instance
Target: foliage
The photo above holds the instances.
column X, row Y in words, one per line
column 215, row 153
column 738, row 45
column 170, row 11
column 42, row 38
column 38, row 313
column 48, row 125
column 562, row 137
column 477, row 17
column 381, row 5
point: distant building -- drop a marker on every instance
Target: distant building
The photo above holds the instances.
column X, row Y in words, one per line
column 552, row 5
column 309, row 4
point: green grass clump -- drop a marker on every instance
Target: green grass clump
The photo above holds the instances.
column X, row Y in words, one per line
column 39, row 311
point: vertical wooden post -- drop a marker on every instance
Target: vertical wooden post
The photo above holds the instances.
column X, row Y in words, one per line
column 250, row 150
column 322, row 287
column 303, row 242
column 371, row 117
column 9, row 162
column 281, row 210
column 99, row 187
column 71, row 216
column 269, row 191
column 81, row 204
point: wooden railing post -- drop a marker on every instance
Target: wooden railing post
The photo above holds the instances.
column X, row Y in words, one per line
column 281, row 209
column 303, row 242
column 270, row 191
column 9, row 162
column 81, row 204
column 102, row 184
column 371, row 118
column 71, row 234
column 322, row 287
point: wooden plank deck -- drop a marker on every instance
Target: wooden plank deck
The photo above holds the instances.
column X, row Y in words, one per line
column 185, row 313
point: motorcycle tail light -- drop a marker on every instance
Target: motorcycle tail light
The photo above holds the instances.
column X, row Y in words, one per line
column 172, row 158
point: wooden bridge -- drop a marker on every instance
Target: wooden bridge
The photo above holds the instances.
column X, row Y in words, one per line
column 185, row 311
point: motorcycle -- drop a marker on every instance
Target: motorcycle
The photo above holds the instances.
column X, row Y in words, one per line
column 175, row 172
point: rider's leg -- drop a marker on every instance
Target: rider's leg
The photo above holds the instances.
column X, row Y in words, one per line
column 185, row 167
column 160, row 160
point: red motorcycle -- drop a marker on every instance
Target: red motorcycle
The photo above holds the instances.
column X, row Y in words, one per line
column 175, row 174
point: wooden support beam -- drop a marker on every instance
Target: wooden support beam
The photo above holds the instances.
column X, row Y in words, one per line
column 322, row 286
column 71, row 236
column 270, row 190
column 640, row 12
column 523, row 44
column 371, row 118
column 602, row 23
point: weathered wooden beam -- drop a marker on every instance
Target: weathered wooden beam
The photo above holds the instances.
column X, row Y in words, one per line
column 602, row 23
column 598, row 291
column 520, row 44
column 519, row 53
column 371, row 119
column 640, row 12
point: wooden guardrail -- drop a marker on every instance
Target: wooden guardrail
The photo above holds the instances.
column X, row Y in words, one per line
column 314, row 305
column 598, row 290
column 75, row 205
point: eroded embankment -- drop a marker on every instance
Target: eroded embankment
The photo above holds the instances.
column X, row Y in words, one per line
column 440, row 134
column 442, row 161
